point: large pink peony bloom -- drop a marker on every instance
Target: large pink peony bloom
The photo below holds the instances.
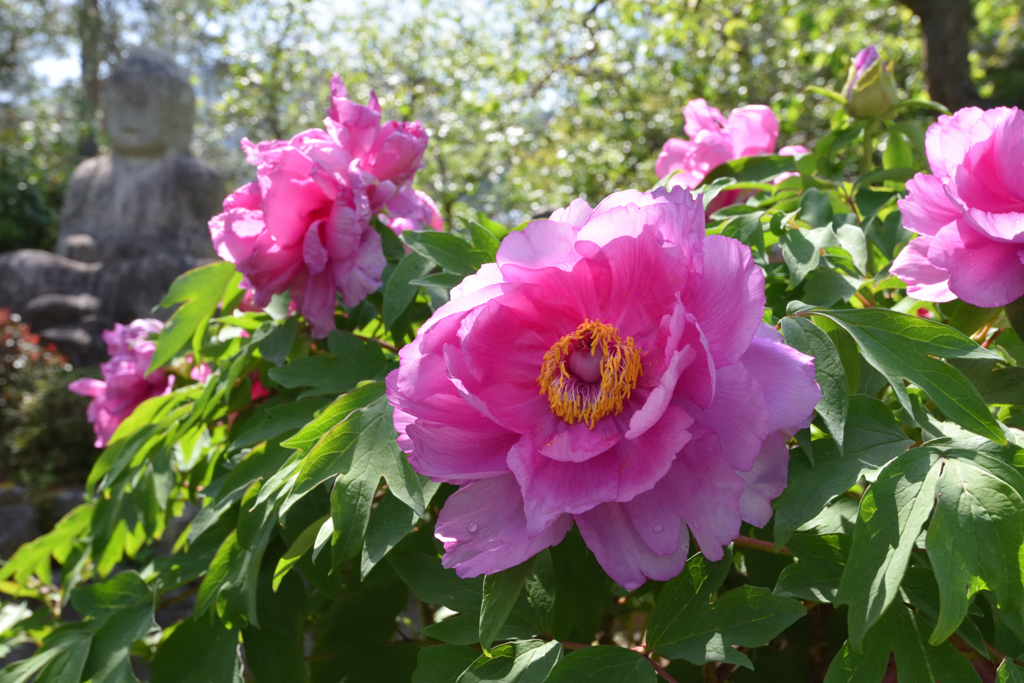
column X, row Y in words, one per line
column 125, row 383
column 304, row 225
column 969, row 213
column 714, row 140
column 610, row 369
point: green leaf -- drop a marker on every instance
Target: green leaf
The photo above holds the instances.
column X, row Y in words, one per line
column 801, row 250
column 432, row 583
column 903, row 346
column 390, row 522
column 198, row 292
column 335, row 413
column 198, row 651
column 61, row 658
column 805, row 336
column 277, row 420
column 976, row 538
column 398, row 291
column 685, row 626
column 851, row 238
column 443, row 663
column 919, row 662
column 299, row 547
column 815, row 208
column 361, row 447
column 851, row 665
column 603, row 664
column 449, row 251
column 1015, row 314
column 122, row 591
column 500, row 592
column 354, row 360
column 897, row 152
column 484, row 239
column 825, row 92
column 523, row 661
column 276, row 346
column 892, row 513
column 1009, row 673
column 871, row 439
column 820, row 563
column 748, row 230
column 751, row 168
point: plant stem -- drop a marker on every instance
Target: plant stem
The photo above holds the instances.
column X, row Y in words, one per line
column 758, row 544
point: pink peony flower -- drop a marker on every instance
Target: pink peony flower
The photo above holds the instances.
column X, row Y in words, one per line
column 125, row 383
column 714, row 140
column 304, row 225
column 612, row 370
column 969, row 214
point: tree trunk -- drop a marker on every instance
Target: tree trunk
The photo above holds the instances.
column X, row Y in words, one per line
column 945, row 25
column 90, row 28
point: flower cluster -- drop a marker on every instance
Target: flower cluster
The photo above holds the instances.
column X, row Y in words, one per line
column 969, row 213
column 125, row 383
column 714, row 140
column 610, row 369
column 304, row 225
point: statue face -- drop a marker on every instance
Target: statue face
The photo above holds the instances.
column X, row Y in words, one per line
column 138, row 120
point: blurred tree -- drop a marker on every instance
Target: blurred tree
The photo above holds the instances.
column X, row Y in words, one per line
column 529, row 103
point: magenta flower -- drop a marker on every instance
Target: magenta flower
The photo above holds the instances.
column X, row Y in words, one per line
column 610, row 369
column 969, row 213
column 714, row 140
column 125, row 383
column 304, row 225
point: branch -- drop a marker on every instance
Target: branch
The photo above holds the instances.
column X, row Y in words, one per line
column 758, row 544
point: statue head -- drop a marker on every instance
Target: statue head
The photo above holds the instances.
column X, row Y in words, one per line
column 149, row 105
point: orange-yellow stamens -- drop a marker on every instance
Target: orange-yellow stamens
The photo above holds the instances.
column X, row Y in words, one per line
column 586, row 398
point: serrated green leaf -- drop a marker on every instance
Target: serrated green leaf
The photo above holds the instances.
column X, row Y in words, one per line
column 197, row 294
column 805, row 336
column 892, row 513
column 903, row 346
column 871, row 439
column 603, row 664
column 976, row 538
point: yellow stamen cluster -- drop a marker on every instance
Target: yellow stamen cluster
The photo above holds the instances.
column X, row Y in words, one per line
column 620, row 369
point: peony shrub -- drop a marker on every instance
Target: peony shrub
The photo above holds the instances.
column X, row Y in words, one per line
column 672, row 434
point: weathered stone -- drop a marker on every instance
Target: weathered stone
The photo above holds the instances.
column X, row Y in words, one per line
column 132, row 220
column 18, row 523
column 50, row 310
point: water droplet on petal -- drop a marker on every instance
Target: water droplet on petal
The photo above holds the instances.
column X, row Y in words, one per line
column 658, row 528
column 473, row 527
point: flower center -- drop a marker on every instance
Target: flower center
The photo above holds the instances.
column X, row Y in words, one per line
column 589, row 373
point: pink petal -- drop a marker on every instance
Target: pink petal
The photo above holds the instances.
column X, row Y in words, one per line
column 622, row 552
column 728, row 302
column 787, row 381
column 927, row 208
column 234, row 233
column 753, row 130
column 765, row 481
column 541, row 244
column 925, row 281
column 483, row 528
column 699, row 115
column 88, row 386
column 985, row 273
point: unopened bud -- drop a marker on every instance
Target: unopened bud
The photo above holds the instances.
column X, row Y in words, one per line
column 870, row 90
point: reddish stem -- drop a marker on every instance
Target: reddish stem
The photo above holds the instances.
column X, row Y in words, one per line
column 758, row 544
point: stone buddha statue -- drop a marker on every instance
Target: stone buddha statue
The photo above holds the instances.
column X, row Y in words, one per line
column 149, row 193
column 132, row 220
